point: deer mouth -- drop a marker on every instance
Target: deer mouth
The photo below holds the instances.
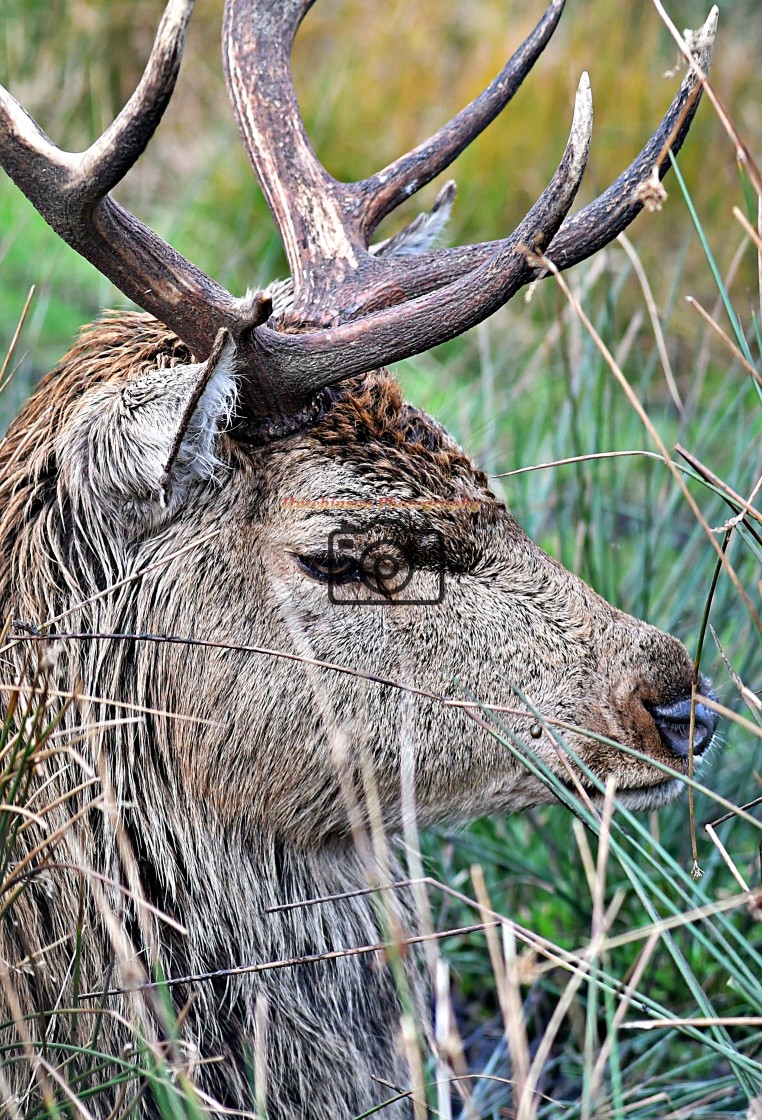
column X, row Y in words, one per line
column 637, row 798
column 642, row 798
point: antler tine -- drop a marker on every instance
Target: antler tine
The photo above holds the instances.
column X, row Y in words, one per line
column 598, row 223
column 605, row 217
column 291, row 368
column 319, row 239
column 384, row 191
column 107, row 161
column 71, row 192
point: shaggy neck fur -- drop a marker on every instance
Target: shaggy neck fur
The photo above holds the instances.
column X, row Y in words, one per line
column 128, row 821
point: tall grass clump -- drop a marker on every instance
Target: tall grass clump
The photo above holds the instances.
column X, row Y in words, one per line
column 637, row 961
column 612, row 963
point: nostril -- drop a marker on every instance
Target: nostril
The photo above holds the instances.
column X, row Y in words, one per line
column 673, row 721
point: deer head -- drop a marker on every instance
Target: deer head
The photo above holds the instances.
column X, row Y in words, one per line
column 218, row 494
column 141, row 430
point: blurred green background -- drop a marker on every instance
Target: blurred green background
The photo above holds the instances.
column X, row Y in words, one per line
column 525, row 388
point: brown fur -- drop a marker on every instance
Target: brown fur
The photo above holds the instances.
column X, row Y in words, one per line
column 241, row 805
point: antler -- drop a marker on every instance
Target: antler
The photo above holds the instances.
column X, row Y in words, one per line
column 70, row 190
column 353, row 310
column 373, row 312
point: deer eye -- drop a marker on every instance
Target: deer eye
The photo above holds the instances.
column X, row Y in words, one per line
column 331, row 567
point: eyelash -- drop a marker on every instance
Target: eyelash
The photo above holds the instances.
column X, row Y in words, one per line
column 325, row 567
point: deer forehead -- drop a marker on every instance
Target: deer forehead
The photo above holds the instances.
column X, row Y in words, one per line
column 359, row 479
column 369, row 443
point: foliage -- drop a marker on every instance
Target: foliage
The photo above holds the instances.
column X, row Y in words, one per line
column 529, row 387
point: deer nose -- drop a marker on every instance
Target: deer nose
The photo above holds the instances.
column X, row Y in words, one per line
column 673, row 721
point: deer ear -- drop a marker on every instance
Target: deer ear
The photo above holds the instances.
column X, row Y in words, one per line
column 137, row 449
column 178, row 415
